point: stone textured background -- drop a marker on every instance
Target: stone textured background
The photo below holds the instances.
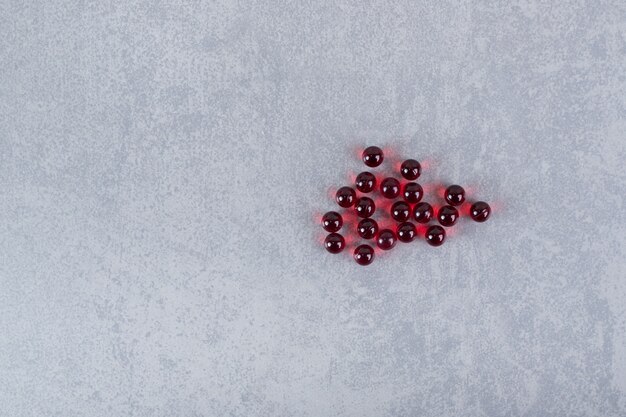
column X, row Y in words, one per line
column 162, row 164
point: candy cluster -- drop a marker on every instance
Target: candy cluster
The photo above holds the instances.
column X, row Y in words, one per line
column 407, row 205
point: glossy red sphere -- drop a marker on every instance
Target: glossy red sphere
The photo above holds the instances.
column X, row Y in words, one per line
column 455, row 195
column 364, row 254
column 411, row 169
column 435, row 235
column 334, row 243
column 480, row 211
column 423, row 212
column 447, row 216
column 412, row 192
column 365, row 207
column 345, row 197
column 367, row 228
column 400, row 211
column 406, row 232
column 365, row 182
column 390, row 187
column 372, row 156
column 386, row 239
column 332, row 221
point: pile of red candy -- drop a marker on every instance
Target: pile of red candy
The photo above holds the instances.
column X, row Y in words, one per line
column 408, row 206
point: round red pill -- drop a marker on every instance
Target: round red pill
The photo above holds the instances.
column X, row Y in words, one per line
column 480, row 211
column 400, row 211
column 345, row 197
column 422, row 212
column 390, row 187
column 372, row 156
column 448, row 216
column 412, row 192
column 367, row 228
column 334, row 243
column 411, row 169
column 365, row 207
column 364, row 255
column 455, row 195
column 365, row 182
column 386, row 239
column 332, row 221
column 435, row 235
column 406, row 232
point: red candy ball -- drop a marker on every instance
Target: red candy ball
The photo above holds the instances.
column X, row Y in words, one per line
column 480, row 211
column 372, row 156
column 455, row 195
column 386, row 239
column 390, row 187
column 345, row 197
column 413, row 192
column 334, row 243
column 448, row 216
column 365, row 182
column 411, row 169
column 364, row 255
column 365, row 207
column 332, row 221
column 435, row 235
column 367, row 228
column 400, row 211
column 423, row 212
column 406, row 232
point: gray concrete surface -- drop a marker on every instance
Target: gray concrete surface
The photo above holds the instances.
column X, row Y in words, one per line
column 161, row 164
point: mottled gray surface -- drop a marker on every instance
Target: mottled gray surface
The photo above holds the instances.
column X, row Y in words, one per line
column 162, row 164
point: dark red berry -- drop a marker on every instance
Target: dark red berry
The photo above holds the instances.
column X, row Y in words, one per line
column 373, row 156
column 411, row 169
column 367, row 228
column 406, row 232
column 390, row 187
column 435, row 235
column 448, row 216
column 365, row 207
column 365, row 182
column 386, row 239
column 345, row 197
column 413, row 192
column 455, row 195
column 364, row 254
column 480, row 211
column 400, row 211
column 334, row 243
column 422, row 212
column 332, row 221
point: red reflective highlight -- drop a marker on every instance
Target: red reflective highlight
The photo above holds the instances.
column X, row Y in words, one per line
column 390, row 153
column 440, row 191
column 465, row 209
column 497, row 206
column 428, row 163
